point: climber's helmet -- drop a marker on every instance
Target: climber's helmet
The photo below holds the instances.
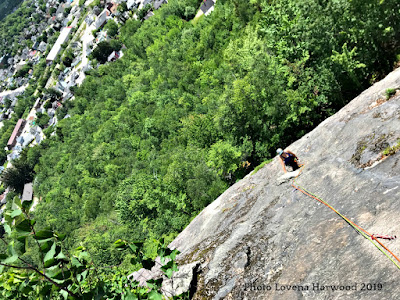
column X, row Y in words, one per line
column 279, row 151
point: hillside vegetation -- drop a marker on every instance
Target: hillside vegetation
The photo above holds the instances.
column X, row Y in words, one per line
column 189, row 109
column 7, row 6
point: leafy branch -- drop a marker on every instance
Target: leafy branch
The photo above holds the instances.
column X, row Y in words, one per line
column 71, row 276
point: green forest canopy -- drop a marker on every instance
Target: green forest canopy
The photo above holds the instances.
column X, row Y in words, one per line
column 159, row 134
column 12, row 35
column 7, row 6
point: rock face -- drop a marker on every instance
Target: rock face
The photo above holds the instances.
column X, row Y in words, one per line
column 262, row 239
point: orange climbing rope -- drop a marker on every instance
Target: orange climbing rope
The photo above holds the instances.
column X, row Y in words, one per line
column 366, row 234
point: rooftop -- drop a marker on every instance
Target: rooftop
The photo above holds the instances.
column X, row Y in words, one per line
column 28, row 192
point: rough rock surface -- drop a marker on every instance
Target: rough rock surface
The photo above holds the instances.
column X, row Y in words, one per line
column 262, row 237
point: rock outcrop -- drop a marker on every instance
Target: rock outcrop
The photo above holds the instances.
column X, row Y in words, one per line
column 262, row 239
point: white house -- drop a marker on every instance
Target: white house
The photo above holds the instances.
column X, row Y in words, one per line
column 63, row 37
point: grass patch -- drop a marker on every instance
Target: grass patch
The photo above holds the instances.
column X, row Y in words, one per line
column 197, row 18
column 261, row 165
column 389, row 93
column 392, row 150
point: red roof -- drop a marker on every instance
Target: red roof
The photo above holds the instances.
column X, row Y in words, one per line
column 15, row 131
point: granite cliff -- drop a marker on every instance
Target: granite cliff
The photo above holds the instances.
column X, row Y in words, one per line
column 262, row 239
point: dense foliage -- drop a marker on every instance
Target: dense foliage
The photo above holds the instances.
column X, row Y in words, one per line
column 53, row 272
column 7, row 6
column 192, row 106
column 159, row 134
column 14, row 29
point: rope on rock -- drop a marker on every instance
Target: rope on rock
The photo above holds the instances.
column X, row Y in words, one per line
column 373, row 238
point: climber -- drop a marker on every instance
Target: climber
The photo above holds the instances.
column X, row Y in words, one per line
column 288, row 158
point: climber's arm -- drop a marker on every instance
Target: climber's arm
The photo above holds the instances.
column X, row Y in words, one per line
column 283, row 164
column 287, row 151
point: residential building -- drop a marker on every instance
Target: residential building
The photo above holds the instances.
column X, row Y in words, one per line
column 13, row 155
column 132, row 3
column 19, row 65
column 96, row 10
column 27, row 194
column 60, row 9
column 89, row 19
column 16, row 132
column 3, row 61
column 28, row 138
column 149, row 14
column 207, row 7
column 38, row 138
column 63, row 37
column 112, row 7
column 101, row 19
column 157, row 4
column 35, row 45
column 51, row 112
column 42, row 47
column 115, row 55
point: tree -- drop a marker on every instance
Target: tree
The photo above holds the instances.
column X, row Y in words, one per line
column 143, row 12
column 116, row 45
column 23, row 72
column 7, row 103
column 53, row 94
column 19, row 174
column 42, row 120
column 162, row 132
column 122, row 7
column 68, row 57
column 111, row 27
column 7, row 6
column 55, row 272
column 102, row 51
column 190, row 12
column 224, row 158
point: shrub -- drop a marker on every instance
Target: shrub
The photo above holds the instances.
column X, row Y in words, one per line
column 256, row 169
column 389, row 93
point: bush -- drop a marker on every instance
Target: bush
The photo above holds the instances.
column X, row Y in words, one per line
column 112, row 28
column 23, row 72
column 42, row 120
column 392, row 150
column 143, row 12
column 256, row 169
column 47, row 105
column 104, row 49
column 48, row 131
column 389, row 93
